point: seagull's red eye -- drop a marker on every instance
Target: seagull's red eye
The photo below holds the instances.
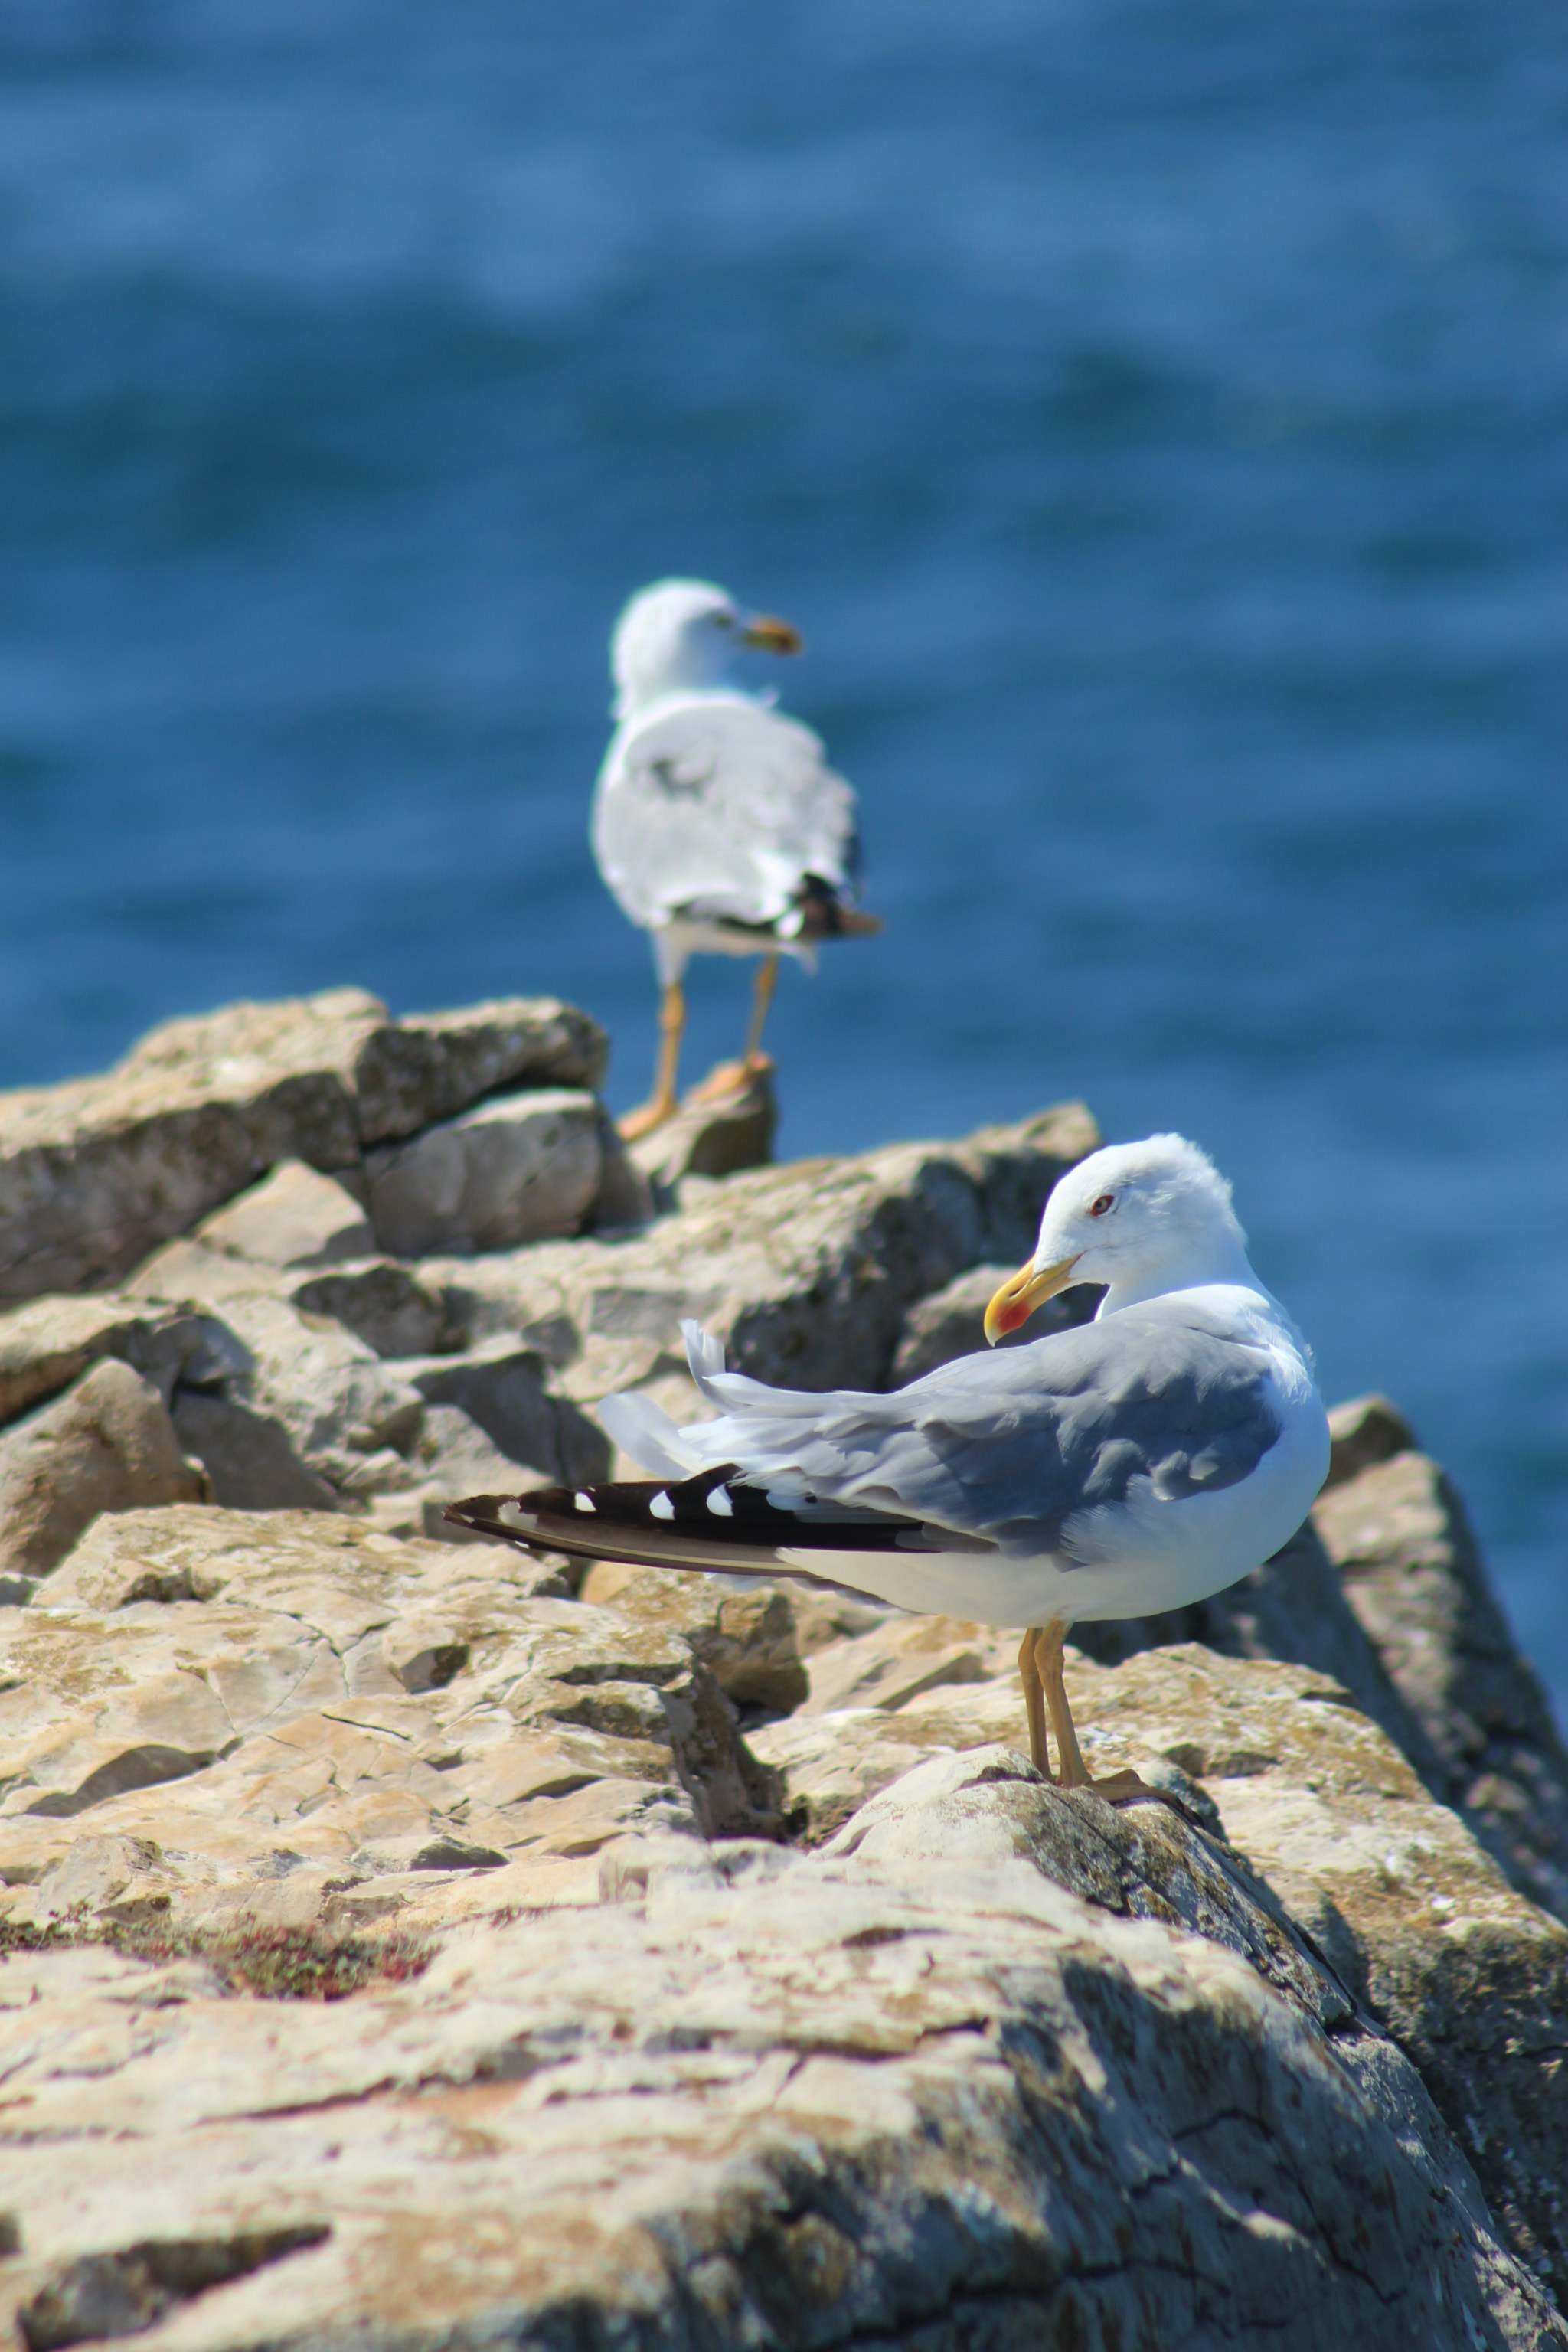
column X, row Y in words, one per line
column 1097, row 1208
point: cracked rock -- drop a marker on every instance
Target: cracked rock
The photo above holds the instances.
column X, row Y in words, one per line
column 334, row 1397
column 797, row 2100
column 1412, row 1915
column 248, row 1457
column 806, row 1271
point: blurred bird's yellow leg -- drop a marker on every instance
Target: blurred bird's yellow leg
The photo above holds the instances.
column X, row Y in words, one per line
column 734, row 1078
column 663, row 1102
column 767, row 980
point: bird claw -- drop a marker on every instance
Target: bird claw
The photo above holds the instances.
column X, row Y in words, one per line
column 730, row 1081
column 645, row 1120
column 1128, row 1788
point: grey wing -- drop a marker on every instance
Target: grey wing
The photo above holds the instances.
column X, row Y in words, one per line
column 719, row 808
column 1011, row 1447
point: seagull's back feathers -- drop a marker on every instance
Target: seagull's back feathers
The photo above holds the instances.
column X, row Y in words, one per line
column 712, row 808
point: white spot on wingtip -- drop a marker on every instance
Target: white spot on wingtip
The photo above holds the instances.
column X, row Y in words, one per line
column 720, row 1503
column 583, row 1502
column 509, row 1516
column 661, row 1508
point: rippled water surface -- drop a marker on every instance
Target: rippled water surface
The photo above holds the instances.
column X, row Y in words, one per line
column 1156, row 417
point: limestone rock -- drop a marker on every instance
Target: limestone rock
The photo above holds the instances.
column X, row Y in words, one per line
column 49, row 1342
column 1409, row 1910
column 771, row 2099
column 1470, row 1978
column 186, row 1273
column 1365, row 1430
column 96, row 1173
column 428, row 1066
column 1293, row 1608
column 336, row 1399
column 237, row 1711
column 295, row 1217
column 248, row 1457
column 711, row 1139
column 378, row 1299
column 453, row 1458
column 107, row 1445
column 382, row 1303
column 952, row 1321
column 508, row 1391
column 1413, row 1572
column 522, row 1168
column 893, row 1662
column 625, row 1200
column 743, row 1630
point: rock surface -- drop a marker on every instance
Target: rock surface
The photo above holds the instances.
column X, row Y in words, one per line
column 1416, row 1919
column 219, row 1712
column 45, row 1345
column 96, row 1173
column 295, row 1217
column 524, row 1168
column 1363, row 1431
column 108, row 1445
column 726, row 1975
column 1073, row 2078
column 1406, row 1555
column 711, row 1139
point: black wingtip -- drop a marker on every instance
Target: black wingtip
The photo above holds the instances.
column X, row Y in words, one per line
column 499, row 1514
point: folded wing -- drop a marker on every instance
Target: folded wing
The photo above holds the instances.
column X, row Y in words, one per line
column 717, row 809
column 1019, row 1449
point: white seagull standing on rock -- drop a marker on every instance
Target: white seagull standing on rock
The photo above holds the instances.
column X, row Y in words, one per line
column 1134, row 1464
column 718, row 824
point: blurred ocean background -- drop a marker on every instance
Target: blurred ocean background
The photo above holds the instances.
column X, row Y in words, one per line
column 1156, row 418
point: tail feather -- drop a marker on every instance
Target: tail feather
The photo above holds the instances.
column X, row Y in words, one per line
column 644, row 1431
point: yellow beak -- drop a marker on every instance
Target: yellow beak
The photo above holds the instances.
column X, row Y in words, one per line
column 1022, row 1293
column 764, row 634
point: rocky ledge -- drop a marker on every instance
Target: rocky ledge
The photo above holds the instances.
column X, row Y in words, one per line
column 406, row 1943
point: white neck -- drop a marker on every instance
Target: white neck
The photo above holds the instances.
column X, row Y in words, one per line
column 641, row 684
column 1213, row 1259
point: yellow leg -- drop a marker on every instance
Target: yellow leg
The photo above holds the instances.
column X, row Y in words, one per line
column 1120, row 1787
column 767, row 980
column 1074, row 1773
column 1033, row 1704
column 663, row 1102
column 735, row 1078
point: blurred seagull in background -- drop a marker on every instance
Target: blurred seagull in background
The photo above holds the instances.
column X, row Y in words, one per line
column 718, row 824
column 1134, row 1464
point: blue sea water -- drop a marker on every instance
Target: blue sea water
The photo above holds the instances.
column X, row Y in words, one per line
column 1156, row 417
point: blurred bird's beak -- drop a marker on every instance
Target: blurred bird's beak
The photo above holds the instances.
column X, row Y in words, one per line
column 764, row 634
column 1022, row 1293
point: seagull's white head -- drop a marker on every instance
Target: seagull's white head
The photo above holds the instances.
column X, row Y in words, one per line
column 680, row 635
column 1143, row 1218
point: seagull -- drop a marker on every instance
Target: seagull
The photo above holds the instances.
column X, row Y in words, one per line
column 1130, row 1464
column 718, row 824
